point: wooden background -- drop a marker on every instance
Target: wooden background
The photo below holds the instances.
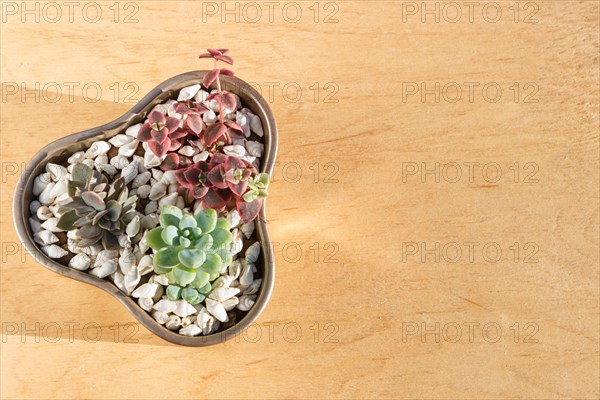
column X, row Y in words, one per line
column 365, row 305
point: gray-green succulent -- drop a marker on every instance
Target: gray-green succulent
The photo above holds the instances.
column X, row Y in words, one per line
column 190, row 249
column 99, row 211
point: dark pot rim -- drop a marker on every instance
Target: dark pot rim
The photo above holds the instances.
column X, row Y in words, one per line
column 69, row 144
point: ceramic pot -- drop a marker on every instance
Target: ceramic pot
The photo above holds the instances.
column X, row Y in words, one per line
column 60, row 150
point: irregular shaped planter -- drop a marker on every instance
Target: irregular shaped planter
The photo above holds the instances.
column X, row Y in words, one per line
column 61, row 149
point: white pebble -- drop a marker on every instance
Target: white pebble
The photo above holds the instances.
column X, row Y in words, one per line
column 209, row 117
column 157, row 191
column 45, row 238
column 203, row 156
column 188, row 92
column 54, row 251
column 256, row 126
column 146, row 303
column 50, row 225
column 128, row 149
column 120, row 140
column 33, row 206
column 187, row 151
column 133, row 130
column 160, row 317
column 190, row 330
column 141, row 179
column 151, row 207
column 235, row 150
column 76, row 158
column 255, row 148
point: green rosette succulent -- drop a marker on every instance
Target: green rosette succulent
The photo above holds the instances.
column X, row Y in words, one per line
column 190, row 249
column 99, row 211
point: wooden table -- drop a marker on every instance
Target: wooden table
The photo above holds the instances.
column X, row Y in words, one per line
column 435, row 206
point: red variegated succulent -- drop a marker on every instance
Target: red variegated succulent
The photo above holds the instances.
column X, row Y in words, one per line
column 222, row 130
column 218, row 182
column 161, row 133
column 193, row 110
column 225, row 129
column 218, row 54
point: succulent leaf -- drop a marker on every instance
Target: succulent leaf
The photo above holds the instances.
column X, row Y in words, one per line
column 204, row 243
column 221, row 237
column 170, row 215
column 216, row 199
column 83, row 221
column 110, row 241
column 191, row 295
column 248, row 210
column 182, row 276
column 100, row 190
column 173, row 292
column 192, row 258
column 167, row 257
column 67, row 220
column 206, row 220
column 92, row 199
column 185, row 242
column 213, row 133
column 169, row 234
column 201, row 279
column 84, row 210
column 212, row 264
column 206, row 288
column 98, row 217
column 263, row 178
column 222, row 224
column 159, row 269
column 89, row 231
column 82, row 174
column 194, row 123
column 209, row 78
column 154, row 239
column 105, row 224
column 114, row 209
column 187, row 222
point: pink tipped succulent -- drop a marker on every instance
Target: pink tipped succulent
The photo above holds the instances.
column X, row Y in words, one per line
column 226, row 130
column 218, row 55
column 221, row 129
column 161, row 133
column 220, row 180
column 193, row 110
column 192, row 181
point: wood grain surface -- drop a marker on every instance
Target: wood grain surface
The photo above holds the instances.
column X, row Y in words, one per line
column 435, row 208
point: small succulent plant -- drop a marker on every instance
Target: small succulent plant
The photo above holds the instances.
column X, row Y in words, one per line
column 257, row 187
column 161, row 133
column 222, row 179
column 225, row 129
column 188, row 249
column 193, row 111
column 99, row 211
